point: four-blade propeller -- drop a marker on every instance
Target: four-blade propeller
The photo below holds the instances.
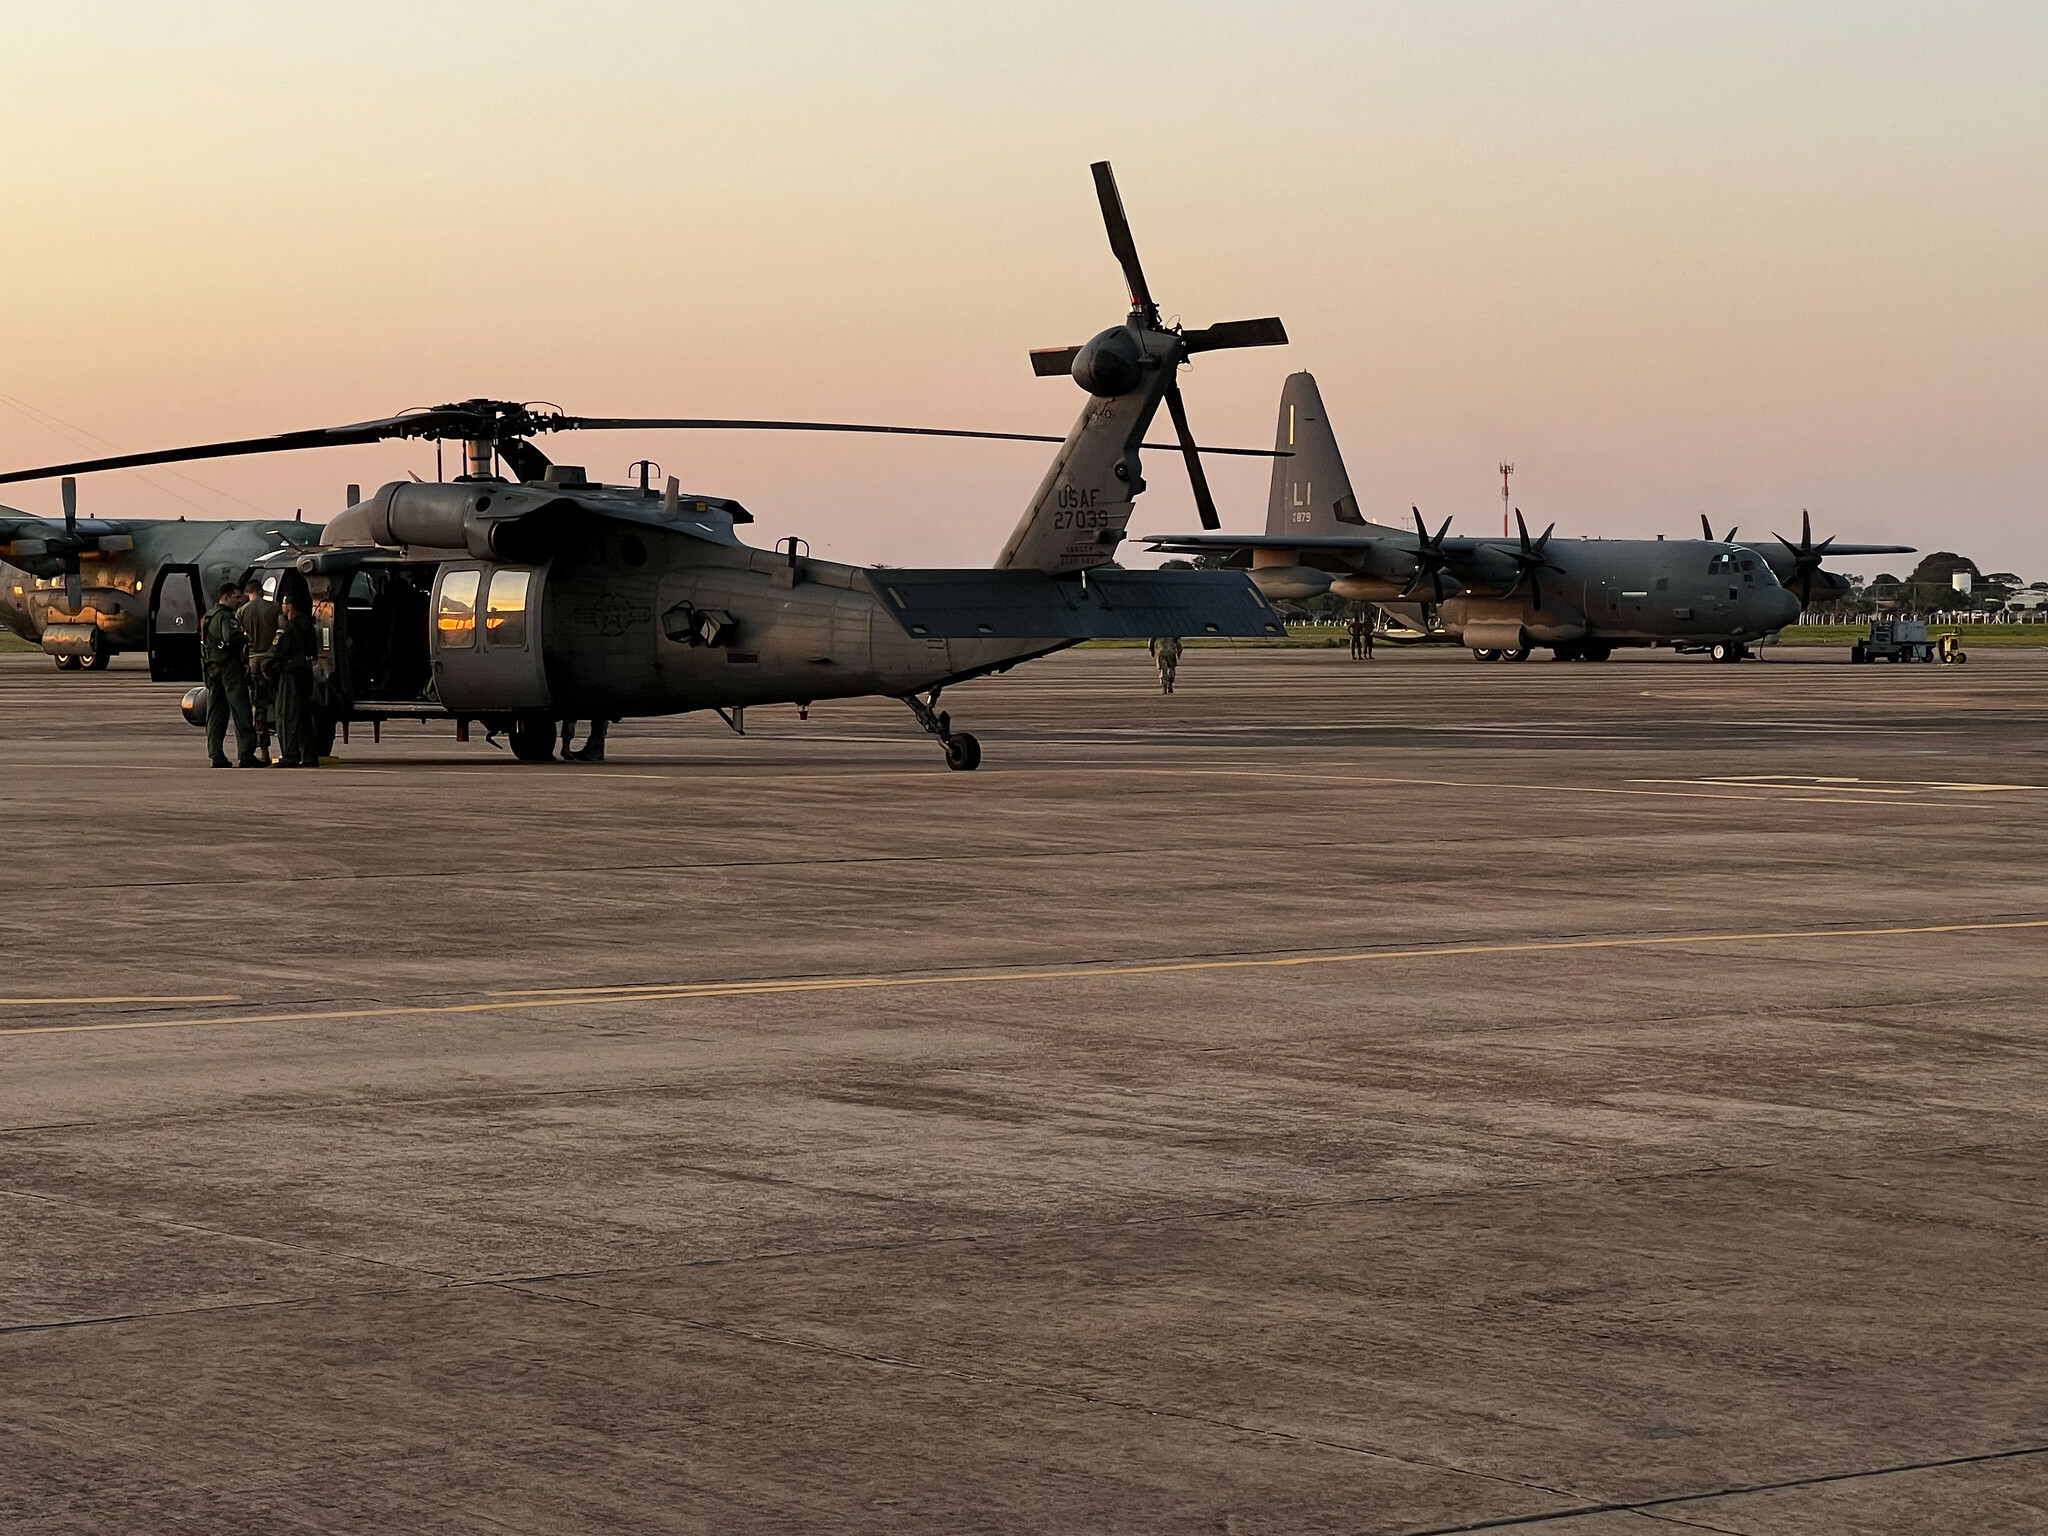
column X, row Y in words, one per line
column 1806, row 556
column 1430, row 558
column 1530, row 557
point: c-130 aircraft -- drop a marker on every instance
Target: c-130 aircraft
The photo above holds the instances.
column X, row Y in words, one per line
column 524, row 604
column 86, row 589
column 1583, row 598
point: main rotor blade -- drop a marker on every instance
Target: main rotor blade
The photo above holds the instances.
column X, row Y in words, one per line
column 440, row 423
column 1205, row 504
column 1268, row 332
column 420, row 424
column 720, row 423
column 1120, row 240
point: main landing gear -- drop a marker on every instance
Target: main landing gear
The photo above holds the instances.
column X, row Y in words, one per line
column 963, row 752
column 1520, row 653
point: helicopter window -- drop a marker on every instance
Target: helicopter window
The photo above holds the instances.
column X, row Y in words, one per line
column 505, row 615
column 457, row 618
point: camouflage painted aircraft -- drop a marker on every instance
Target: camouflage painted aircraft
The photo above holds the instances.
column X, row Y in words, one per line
column 88, row 589
column 1582, row 598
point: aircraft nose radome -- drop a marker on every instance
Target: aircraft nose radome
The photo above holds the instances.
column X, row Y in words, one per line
column 1785, row 607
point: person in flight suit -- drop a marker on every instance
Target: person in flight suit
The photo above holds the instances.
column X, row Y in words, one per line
column 1166, row 651
column 259, row 623
column 222, row 648
column 291, row 672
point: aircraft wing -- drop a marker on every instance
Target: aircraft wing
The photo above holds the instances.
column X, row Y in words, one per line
column 1837, row 547
column 1209, row 543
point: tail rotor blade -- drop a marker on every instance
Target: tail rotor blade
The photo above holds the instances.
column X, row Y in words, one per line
column 1237, row 333
column 1205, row 504
column 1120, row 240
column 71, row 511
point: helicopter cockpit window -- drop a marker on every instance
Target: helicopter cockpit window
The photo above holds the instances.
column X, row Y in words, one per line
column 456, row 621
column 505, row 614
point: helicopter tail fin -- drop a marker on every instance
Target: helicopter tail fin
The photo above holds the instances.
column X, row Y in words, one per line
column 1311, row 493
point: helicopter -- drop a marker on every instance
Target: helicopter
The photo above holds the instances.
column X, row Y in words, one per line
column 524, row 597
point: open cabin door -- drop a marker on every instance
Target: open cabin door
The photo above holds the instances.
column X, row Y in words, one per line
column 487, row 637
column 176, row 609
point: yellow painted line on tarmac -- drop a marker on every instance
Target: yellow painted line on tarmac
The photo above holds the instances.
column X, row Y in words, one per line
column 1554, row 789
column 687, row 991
column 46, row 1002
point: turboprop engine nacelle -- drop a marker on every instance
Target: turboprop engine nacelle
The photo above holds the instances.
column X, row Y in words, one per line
column 1385, row 589
column 1291, row 583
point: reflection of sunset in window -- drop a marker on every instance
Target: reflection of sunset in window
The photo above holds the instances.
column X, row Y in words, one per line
column 456, row 619
column 505, row 618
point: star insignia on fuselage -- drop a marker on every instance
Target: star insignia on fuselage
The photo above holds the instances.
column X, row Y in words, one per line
column 613, row 615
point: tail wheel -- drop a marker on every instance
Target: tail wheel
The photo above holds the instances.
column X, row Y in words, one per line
column 963, row 753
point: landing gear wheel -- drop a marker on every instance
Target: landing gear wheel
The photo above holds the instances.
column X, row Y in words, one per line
column 1519, row 653
column 1596, row 652
column 96, row 659
column 1725, row 651
column 1479, row 655
column 67, row 663
column 963, row 752
column 533, row 741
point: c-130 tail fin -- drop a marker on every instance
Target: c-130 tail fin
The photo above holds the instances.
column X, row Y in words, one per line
column 1311, row 493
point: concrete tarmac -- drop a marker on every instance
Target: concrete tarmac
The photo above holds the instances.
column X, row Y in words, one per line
column 1392, row 1098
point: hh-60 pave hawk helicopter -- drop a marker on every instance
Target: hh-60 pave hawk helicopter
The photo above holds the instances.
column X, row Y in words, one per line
column 523, row 603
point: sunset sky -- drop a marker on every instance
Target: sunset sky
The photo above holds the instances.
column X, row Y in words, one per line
column 1667, row 257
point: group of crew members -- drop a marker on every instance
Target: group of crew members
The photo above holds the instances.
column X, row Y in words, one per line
column 257, row 660
column 1167, row 650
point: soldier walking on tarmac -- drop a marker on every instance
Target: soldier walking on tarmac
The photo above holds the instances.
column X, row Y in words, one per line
column 291, row 672
column 222, row 649
column 1166, row 651
column 259, row 623
column 1361, row 637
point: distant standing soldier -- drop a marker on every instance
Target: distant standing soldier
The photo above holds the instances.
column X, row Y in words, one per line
column 1166, row 651
column 291, row 674
column 1361, row 637
column 222, row 647
column 259, row 623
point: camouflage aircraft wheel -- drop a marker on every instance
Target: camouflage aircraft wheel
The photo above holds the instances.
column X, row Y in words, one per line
column 963, row 753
